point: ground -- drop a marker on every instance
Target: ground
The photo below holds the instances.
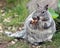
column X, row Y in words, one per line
column 11, row 18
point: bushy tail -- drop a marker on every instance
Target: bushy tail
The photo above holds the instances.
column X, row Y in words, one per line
column 18, row 34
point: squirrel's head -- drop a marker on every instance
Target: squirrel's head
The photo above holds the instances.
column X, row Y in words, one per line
column 41, row 14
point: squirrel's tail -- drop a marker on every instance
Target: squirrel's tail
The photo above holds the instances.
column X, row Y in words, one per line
column 18, row 34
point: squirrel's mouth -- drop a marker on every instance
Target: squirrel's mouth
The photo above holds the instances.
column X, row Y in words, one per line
column 34, row 21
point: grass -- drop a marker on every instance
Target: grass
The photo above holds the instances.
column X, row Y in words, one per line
column 19, row 9
column 56, row 41
column 19, row 45
column 18, row 14
column 54, row 44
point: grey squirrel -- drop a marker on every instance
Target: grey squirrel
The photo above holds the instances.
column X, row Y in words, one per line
column 39, row 27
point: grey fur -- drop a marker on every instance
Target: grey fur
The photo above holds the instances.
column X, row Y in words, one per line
column 36, row 33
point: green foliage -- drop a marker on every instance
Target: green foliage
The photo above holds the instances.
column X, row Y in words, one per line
column 19, row 45
column 58, row 19
column 10, row 1
column 56, row 15
column 53, row 13
column 5, row 38
column 58, row 9
column 59, row 3
column 19, row 9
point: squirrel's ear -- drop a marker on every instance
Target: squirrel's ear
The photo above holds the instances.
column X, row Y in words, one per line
column 46, row 7
column 38, row 5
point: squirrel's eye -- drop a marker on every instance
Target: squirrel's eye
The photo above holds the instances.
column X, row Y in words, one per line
column 38, row 17
column 42, row 11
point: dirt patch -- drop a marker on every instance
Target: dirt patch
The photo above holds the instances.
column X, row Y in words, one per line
column 2, row 3
column 3, row 45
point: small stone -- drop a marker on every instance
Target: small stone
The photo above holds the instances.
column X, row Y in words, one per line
column 9, row 10
column 13, row 42
column 3, row 14
column 9, row 28
column 13, row 28
column 7, row 20
column 16, row 15
column 38, row 47
column 1, row 29
column 33, row 46
column 2, row 11
column 19, row 29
